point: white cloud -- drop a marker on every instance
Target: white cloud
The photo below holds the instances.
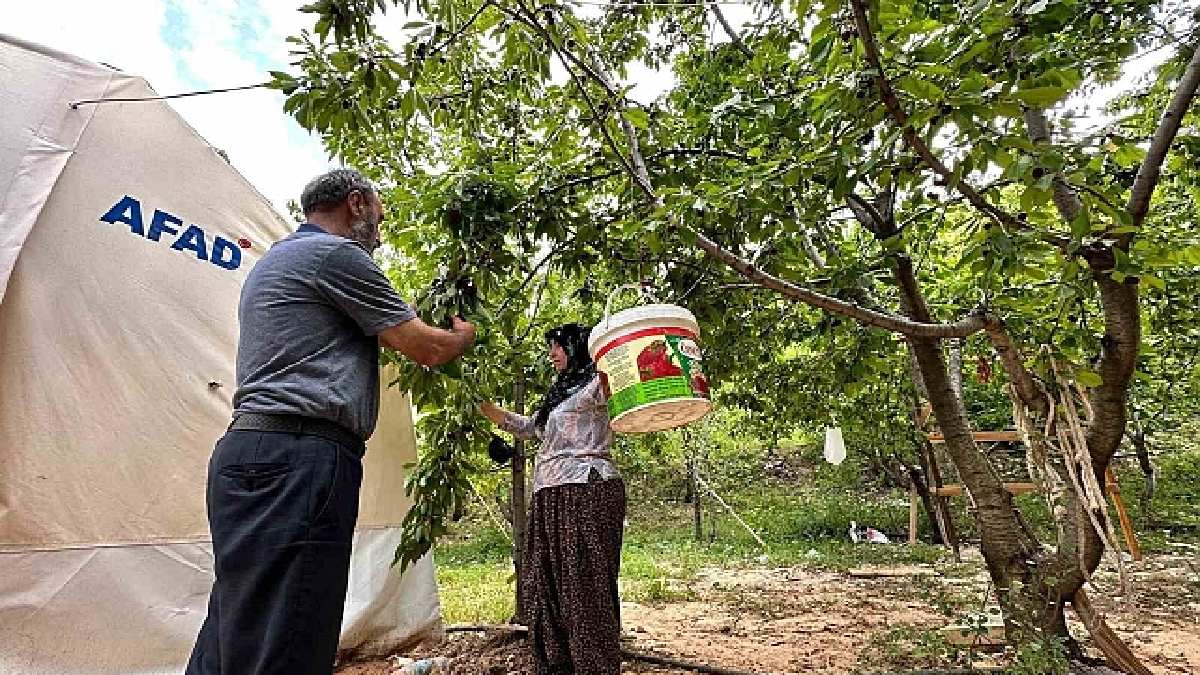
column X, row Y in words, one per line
column 186, row 45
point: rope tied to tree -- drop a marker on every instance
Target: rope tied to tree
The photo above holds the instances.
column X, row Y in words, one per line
column 1073, row 443
column 1064, row 434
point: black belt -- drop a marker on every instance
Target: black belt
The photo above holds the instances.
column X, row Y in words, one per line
column 298, row 424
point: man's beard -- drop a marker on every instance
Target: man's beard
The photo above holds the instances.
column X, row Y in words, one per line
column 366, row 233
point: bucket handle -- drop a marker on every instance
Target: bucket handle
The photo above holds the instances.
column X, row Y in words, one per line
column 642, row 288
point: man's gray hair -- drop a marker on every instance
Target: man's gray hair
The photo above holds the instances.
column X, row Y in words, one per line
column 332, row 188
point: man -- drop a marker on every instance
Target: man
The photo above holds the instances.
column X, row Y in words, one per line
column 283, row 482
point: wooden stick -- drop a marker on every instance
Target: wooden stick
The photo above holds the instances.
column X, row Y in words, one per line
column 1114, row 489
column 676, row 663
column 957, row 490
column 517, row 503
column 481, row 628
column 981, row 436
column 912, row 515
column 1115, row 650
column 625, row 653
column 942, row 516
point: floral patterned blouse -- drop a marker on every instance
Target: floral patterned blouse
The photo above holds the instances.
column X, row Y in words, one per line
column 577, row 438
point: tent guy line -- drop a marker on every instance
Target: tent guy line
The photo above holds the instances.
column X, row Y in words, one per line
column 75, row 105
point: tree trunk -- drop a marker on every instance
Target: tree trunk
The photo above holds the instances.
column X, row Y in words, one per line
column 1010, row 554
column 1122, row 337
column 956, row 367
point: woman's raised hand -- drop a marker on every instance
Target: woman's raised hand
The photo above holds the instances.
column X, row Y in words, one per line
column 492, row 411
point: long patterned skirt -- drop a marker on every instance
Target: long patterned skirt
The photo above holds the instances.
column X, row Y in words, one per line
column 572, row 557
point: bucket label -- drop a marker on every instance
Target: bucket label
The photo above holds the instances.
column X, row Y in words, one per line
column 649, row 366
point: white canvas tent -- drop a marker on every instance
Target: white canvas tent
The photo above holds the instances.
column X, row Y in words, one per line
column 117, row 343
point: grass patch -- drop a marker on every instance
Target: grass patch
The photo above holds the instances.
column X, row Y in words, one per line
column 661, row 556
column 803, row 526
column 908, row 647
column 809, row 530
column 476, row 592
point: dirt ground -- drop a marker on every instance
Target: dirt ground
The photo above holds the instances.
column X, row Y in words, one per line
column 795, row 620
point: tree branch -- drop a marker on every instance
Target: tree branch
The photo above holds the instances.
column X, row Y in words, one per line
column 1014, row 365
column 641, row 174
column 651, row 158
column 868, row 215
column 733, row 35
column 973, row 323
column 637, row 168
column 532, row 273
column 810, row 249
column 710, row 152
column 527, row 17
column 1148, row 174
column 580, row 180
column 537, row 306
column 913, row 140
column 459, row 33
column 1095, row 193
column 1065, row 198
column 1118, row 358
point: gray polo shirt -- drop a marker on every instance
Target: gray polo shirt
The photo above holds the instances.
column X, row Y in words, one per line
column 310, row 313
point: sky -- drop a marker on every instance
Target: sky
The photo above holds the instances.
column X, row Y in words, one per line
column 188, row 45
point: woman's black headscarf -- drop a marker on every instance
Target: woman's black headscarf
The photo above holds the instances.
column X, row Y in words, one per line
column 580, row 369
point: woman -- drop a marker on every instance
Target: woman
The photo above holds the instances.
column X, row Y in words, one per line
column 572, row 551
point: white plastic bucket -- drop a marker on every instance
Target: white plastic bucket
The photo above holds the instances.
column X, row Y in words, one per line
column 650, row 364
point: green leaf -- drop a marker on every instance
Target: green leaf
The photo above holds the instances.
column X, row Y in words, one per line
column 637, row 117
column 453, row 369
column 916, row 27
column 922, row 89
column 408, row 103
column 1033, row 197
column 1041, row 97
column 343, row 61
column 1128, row 155
column 1082, row 225
column 1088, row 378
column 422, row 106
column 1153, row 281
column 820, row 50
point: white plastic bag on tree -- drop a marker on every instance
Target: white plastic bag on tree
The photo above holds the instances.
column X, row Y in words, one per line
column 835, row 447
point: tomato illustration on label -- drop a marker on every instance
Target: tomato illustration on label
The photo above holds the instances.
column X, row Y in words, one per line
column 654, row 362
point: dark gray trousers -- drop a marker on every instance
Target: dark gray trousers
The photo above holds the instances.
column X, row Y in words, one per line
column 281, row 508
